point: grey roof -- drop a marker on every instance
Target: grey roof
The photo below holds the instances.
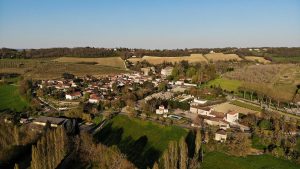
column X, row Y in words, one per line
column 52, row 120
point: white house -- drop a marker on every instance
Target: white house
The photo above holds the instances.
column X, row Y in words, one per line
column 162, row 110
column 204, row 111
column 166, row 71
column 73, row 96
column 199, row 101
column 232, row 117
column 221, row 135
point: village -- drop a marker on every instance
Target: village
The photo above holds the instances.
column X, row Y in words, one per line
column 159, row 99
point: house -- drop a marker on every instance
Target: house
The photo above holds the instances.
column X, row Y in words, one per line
column 205, row 111
column 221, row 135
column 166, row 71
column 72, row 96
column 199, row 101
column 161, row 110
column 232, row 117
column 94, row 98
column 213, row 121
column 54, row 121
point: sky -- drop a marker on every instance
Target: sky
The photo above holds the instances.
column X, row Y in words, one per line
column 151, row 24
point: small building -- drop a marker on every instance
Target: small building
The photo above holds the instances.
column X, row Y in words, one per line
column 166, row 71
column 72, row 96
column 54, row 121
column 221, row 135
column 161, row 110
column 94, row 98
column 232, row 116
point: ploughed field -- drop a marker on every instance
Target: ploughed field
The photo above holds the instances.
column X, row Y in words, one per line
column 51, row 69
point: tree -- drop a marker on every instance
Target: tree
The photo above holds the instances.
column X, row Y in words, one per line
column 198, row 142
column 183, row 161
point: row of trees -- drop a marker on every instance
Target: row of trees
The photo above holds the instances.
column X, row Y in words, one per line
column 182, row 155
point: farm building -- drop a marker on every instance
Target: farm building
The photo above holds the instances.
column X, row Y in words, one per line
column 221, row 135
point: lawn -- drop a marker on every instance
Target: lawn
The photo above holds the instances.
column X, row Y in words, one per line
column 226, row 84
column 10, row 98
column 246, row 105
column 217, row 160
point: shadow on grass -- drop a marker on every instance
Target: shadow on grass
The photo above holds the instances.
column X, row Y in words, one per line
column 137, row 151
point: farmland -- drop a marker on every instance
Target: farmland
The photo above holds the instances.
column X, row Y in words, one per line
column 193, row 58
column 10, row 98
column 108, row 61
column 49, row 69
column 257, row 59
column 217, row 160
column 215, row 57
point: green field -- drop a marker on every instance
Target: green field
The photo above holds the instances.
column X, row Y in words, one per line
column 246, row 105
column 143, row 142
column 226, row 84
column 10, row 98
column 217, row 160
column 158, row 135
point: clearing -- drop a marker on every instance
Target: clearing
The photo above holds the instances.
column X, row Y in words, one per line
column 217, row 160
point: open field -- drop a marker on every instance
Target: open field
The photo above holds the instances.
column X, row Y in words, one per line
column 10, row 98
column 193, row 58
column 214, row 57
column 158, row 135
column 143, row 142
column 257, row 59
column 48, row 69
column 109, row 61
column 217, row 160
column 225, row 107
column 226, row 84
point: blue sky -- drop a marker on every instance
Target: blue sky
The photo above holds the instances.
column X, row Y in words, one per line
column 149, row 23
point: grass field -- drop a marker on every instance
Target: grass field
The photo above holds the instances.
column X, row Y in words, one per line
column 246, row 105
column 143, row 142
column 217, row 160
column 226, row 84
column 214, row 57
column 158, row 135
column 193, row 58
column 109, row 61
column 10, row 98
column 48, row 69
column 257, row 59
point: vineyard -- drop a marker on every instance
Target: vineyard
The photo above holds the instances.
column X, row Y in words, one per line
column 47, row 69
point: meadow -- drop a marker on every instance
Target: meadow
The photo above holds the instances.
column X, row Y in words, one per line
column 10, row 98
column 49, row 69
